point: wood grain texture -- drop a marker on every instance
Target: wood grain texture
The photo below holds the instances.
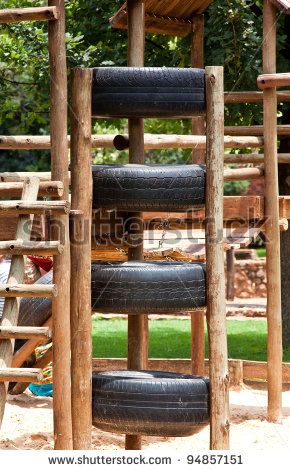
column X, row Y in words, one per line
column 25, row 332
column 20, row 247
column 15, row 15
column 20, row 375
column 61, row 271
column 272, row 80
column 216, row 307
column 234, row 97
column 28, row 290
column 80, row 236
column 16, row 275
column 274, row 316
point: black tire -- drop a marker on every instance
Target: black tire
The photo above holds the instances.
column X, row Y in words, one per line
column 155, row 287
column 128, row 92
column 149, row 187
column 34, row 311
column 149, row 403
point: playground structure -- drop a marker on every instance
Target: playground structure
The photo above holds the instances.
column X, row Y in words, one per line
column 73, row 415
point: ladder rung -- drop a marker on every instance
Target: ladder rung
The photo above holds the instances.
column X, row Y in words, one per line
column 46, row 188
column 25, row 332
column 20, row 247
column 27, row 290
column 15, row 15
column 21, row 375
column 37, row 207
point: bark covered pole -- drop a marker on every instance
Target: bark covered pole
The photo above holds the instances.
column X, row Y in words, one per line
column 61, row 269
column 198, row 156
column 274, row 320
column 80, row 237
column 216, row 305
column 137, row 324
column 230, row 273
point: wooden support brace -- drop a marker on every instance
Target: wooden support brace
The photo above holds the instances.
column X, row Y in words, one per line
column 46, row 189
column 20, row 247
column 21, row 375
column 33, row 207
column 272, row 80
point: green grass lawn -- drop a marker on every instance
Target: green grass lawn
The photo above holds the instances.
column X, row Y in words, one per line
column 171, row 339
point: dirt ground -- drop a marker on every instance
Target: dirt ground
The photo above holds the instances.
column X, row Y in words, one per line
column 28, row 425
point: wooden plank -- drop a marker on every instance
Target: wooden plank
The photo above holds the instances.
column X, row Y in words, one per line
column 272, row 80
column 33, row 207
column 21, row 375
column 25, row 332
column 15, row 15
column 80, row 238
column 216, row 306
column 61, row 268
column 274, row 318
column 28, row 290
column 20, row 247
column 256, row 158
column 255, row 130
column 137, row 324
column 46, row 189
column 16, row 274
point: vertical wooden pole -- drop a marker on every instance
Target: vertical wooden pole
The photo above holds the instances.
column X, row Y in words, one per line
column 216, row 307
column 137, row 324
column 198, row 156
column 230, row 273
column 80, row 237
column 272, row 214
column 61, row 269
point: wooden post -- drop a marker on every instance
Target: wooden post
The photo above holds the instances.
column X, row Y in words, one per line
column 272, row 217
column 198, row 156
column 16, row 274
column 61, row 268
column 80, row 236
column 137, row 324
column 216, row 308
column 230, row 273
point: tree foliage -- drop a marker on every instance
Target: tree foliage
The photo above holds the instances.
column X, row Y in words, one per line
column 233, row 39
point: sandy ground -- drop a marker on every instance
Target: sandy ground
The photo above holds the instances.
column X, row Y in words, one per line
column 28, row 425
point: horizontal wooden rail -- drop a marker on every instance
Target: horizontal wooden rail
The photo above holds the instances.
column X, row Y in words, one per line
column 18, row 247
column 25, row 332
column 46, row 188
column 236, row 97
column 254, row 130
column 272, row 80
column 28, row 290
column 29, row 346
column 283, row 5
column 21, row 375
column 240, row 174
column 15, row 15
column 248, row 370
column 255, row 158
column 152, row 141
column 37, row 207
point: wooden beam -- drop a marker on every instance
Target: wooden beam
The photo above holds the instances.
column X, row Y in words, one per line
column 283, row 5
column 33, row 207
column 25, row 332
column 255, row 158
column 21, row 375
column 20, row 247
column 254, row 130
column 272, row 80
column 198, row 156
column 61, row 268
column 15, row 15
column 216, row 306
column 28, row 290
column 80, row 239
column 235, row 97
column 274, row 318
column 137, row 324
column 46, row 189
column 230, row 256
column 252, row 371
column 16, row 275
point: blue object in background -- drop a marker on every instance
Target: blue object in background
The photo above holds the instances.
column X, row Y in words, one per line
column 41, row 390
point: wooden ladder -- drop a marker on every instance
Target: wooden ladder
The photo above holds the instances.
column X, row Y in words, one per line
column 58, row 189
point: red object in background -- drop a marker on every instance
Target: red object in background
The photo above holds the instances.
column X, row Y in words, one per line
column 43, row 263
